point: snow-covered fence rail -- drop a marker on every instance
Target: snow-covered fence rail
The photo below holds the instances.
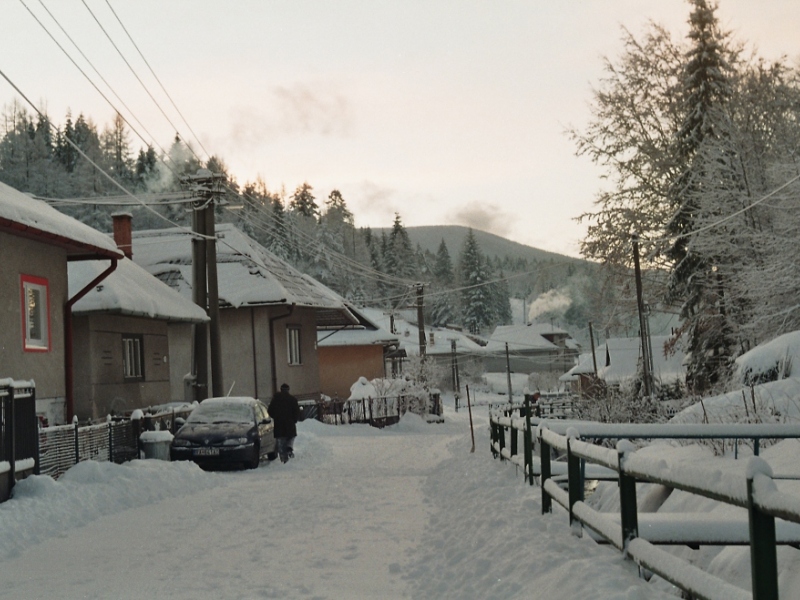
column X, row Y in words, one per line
column 754, row 491
column 18, row 425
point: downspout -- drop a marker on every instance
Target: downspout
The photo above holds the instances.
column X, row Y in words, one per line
column 68, row 336
column 272, row 346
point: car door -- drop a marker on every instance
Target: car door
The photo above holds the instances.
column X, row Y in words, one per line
column 266, row 428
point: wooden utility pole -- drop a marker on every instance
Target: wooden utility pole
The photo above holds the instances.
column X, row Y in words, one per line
column 646, row 361
column 421, row 320
column 206, row 189
column 508, row 374
column 200, row 298
column 591, row 341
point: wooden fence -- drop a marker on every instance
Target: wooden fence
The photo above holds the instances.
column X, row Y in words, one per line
column 378, row 412
column 638, row 535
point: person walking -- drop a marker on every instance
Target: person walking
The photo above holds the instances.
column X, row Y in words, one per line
column 285, row 411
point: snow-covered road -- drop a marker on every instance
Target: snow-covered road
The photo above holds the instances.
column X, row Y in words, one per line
column 405, row 512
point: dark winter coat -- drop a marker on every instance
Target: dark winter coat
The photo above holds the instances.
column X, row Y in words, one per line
column 285, row 411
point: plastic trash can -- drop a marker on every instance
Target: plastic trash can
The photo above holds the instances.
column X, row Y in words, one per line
column 155, row 444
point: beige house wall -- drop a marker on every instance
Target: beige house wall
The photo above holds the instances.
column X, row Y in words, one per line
column 247, row 356
column 22, row 256
column 341, row 366
column 100, row 386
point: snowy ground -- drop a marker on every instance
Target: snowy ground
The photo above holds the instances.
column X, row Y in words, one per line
column 406, row 512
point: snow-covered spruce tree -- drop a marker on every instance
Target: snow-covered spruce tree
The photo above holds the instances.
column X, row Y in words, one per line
column 476, row 295
column 696, row 280
column 501, row 300
column 303, row 202
column 443, row 302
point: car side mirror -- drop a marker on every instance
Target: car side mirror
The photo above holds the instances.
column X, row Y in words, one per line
column 265, row 421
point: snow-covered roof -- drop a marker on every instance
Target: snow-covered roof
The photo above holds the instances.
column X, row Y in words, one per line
column 408, row 335
column 523, row 337
column 620, row 360
column 365, row 333
column 24, row 216
column 129, row 290
column 248, row 274
column 585, row 365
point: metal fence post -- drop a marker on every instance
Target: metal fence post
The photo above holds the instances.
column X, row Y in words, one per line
column 544, row 458
column 11, row 447
column 77, row 445
column 110, row 425
column 763, row 556
column 574, row 478
column 512, row 432
column 528, row 441
column 628, row 510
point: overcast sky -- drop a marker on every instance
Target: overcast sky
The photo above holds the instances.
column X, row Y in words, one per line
column 445, row 112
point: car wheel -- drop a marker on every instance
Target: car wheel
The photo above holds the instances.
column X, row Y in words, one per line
column 253, row 463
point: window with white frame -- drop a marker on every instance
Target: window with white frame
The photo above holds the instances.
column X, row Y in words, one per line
column 293, row 345
column 35, row 314
column 132, row 357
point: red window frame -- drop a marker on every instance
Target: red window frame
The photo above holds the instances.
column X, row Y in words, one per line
column 43, row 283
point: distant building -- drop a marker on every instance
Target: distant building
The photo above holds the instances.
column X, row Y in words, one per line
column 532, row 348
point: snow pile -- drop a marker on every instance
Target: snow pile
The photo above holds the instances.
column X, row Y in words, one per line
column 771, row 361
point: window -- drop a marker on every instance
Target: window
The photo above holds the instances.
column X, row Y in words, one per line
column 132, row 357
column 35, row 314
column 293, row 345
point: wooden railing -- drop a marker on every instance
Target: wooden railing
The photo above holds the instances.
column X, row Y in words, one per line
column 754, row 490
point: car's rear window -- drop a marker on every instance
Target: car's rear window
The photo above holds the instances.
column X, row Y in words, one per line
column 221, row 413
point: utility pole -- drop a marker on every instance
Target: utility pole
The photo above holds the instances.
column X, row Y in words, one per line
column 591, row 341
column 421, row 320
column 199, row 297
column 508, row 374
column 643, row 328
column 206, row 189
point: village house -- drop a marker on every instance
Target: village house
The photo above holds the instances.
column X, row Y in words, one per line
column 36, row 243
column 451, row 350
column 132, row 337
column 531, row 348
column 348, row 353
column 619, row 363
column 269, row 311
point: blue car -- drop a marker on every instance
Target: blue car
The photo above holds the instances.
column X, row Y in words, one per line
column 224, row 431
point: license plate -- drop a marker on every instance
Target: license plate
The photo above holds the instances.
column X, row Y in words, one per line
column 206, row 451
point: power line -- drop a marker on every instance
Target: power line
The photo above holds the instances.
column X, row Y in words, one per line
column 166, row 93
column 93, row 163
column 125, row 60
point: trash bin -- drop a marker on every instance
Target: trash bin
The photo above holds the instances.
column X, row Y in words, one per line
column 156, row 444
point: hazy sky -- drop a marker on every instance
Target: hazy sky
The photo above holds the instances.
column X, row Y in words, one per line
column 446, row 112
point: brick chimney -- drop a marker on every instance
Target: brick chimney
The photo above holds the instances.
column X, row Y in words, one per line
column 122, row 232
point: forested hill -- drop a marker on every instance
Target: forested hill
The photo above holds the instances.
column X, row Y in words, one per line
column 494, row 246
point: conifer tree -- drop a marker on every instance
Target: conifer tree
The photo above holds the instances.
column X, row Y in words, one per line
column 476, row 297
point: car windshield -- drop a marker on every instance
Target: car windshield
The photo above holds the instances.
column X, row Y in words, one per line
column 233, row 412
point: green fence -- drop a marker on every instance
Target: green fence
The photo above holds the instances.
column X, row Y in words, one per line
column 754, row 491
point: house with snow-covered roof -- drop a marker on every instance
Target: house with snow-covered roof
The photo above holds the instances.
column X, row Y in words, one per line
column 443, row 345
column 132, row 336
column 269, row 311
column 37, row 243
column 532, row 348
column 352, row 352
column 619, row 363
